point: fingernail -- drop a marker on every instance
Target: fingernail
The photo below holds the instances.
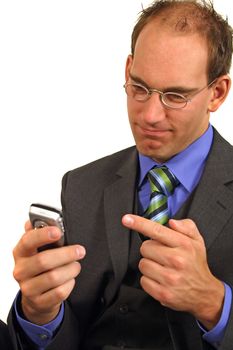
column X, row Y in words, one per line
column 81, row 252
column 128, row 220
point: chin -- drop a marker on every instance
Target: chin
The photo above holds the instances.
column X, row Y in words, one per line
column 150, row 152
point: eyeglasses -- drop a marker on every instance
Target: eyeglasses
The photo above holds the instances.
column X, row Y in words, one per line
column 169, row 99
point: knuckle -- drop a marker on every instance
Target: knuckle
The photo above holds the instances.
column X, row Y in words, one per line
column 166, row 297
column 41, row 261
column 178, row 262
column 24, row 241
column 172, row 279
column 53, row 277
column 60, row 294
column 157, row 230
column 63, row 290
column 17, row 274
column 187, row 244
column 36, row 302
column 27, row 292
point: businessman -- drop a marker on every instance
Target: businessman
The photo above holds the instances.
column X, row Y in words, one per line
column 148, row 259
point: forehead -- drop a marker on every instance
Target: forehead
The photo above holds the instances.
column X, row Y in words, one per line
column 162, row 54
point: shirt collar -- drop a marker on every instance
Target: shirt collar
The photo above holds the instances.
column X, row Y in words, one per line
column 187, row 165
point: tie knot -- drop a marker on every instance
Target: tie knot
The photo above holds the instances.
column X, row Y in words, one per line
column 162, row 180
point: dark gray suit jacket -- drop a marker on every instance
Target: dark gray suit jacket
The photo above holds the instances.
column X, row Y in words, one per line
column 94, row 199
column 5, row 340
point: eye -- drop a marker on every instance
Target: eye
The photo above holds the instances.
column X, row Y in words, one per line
column 174, row 98
column 138, row 90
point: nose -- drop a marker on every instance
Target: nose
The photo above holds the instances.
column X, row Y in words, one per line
column 153, row 109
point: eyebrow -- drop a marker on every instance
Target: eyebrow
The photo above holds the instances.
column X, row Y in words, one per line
column 178, row 89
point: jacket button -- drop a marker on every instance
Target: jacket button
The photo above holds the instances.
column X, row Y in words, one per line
column 124, row 309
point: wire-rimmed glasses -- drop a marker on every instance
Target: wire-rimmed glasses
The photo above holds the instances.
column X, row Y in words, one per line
column 169, row 99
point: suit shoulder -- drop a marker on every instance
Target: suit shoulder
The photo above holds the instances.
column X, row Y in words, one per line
column 106, row 165
column 222, row 148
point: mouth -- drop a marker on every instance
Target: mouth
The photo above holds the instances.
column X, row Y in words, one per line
column 153, row 132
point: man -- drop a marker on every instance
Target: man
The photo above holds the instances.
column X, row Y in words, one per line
column 146, row 282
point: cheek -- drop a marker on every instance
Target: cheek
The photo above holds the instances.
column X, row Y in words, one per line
column 132, row 110
column 190, row 126
column 133, row 117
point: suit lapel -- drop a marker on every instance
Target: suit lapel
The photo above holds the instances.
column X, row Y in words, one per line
column 119, row 199
column 212, row 205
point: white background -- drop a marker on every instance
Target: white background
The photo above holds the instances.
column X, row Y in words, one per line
column 62, row 103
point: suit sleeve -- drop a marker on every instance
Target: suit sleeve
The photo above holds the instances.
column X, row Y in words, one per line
column 66, row 338
column 227, row 340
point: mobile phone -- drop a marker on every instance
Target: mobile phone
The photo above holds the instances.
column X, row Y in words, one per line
column 42, row 215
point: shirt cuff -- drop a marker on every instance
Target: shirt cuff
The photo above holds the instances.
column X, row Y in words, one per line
column 216, row 334
column 39, row 335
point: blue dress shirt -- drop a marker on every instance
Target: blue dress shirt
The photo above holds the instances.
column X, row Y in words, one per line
column 188, row 167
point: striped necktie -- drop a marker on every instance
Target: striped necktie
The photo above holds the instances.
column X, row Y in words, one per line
column 162, row 183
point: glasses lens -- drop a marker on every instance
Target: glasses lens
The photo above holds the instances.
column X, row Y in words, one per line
column 136, row 91
column 174, row 100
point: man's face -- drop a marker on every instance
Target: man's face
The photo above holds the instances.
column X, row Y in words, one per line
column 175, row 63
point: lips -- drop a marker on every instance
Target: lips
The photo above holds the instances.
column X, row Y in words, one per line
column 153, row 132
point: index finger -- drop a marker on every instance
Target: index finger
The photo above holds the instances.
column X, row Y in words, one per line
column 151, row 229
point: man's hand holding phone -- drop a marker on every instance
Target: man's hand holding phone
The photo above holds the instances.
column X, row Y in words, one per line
column 46, row 277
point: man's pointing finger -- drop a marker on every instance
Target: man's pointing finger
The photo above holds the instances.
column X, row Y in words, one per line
column 151, row 229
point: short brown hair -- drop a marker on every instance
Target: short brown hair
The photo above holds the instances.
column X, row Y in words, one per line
column 193, row 16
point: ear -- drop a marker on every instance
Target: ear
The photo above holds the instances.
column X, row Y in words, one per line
column 220, row 91
column 128, row 65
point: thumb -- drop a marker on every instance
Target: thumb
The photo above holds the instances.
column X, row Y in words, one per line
column 186, row 227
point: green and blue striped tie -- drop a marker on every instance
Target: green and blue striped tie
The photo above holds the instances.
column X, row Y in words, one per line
column 162, row 183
